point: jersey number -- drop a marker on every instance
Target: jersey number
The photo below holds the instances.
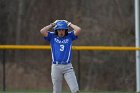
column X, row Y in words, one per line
column 61, row 47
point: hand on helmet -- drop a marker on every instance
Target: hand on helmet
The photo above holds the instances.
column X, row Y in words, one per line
column 68, row 23
column 54, row 23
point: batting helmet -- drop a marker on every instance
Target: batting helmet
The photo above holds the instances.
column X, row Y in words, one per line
column 61, row 25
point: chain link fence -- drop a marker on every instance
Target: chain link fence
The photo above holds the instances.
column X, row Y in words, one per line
column 95, row 70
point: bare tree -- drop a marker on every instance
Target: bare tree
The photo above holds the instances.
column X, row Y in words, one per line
column 19, row 20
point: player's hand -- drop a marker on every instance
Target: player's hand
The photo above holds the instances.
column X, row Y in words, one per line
column 54, row 23
column 68, row 23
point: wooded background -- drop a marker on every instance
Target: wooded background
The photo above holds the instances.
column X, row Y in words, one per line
column 103, row 23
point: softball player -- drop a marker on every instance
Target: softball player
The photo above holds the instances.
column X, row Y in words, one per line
column 61, row 44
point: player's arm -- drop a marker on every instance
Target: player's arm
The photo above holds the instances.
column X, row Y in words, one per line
column 76, row 29
column 44, row 30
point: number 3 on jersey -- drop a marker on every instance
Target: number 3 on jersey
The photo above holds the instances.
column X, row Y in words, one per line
column 62, row 47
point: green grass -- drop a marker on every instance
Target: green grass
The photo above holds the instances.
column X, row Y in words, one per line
column 27, row 91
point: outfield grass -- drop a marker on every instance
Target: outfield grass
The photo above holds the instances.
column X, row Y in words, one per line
column 62, row 92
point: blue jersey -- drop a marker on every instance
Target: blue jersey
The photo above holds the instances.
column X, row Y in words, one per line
column 61, row 47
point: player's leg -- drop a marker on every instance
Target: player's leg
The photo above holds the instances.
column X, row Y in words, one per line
column 71, row 80
column 57, row 77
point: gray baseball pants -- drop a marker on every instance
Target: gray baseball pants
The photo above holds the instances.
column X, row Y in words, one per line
column 58, row 71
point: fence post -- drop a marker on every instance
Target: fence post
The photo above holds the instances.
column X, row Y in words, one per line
column 137, row 44
column 4, row 75
column 79, row 70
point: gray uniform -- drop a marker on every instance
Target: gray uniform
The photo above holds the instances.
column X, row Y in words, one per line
column 58, row 72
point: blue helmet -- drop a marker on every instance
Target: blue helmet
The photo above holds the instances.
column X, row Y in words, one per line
column 61, row 25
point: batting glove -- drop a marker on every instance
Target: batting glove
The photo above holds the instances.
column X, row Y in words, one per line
column 54, row 23
column 68, row 23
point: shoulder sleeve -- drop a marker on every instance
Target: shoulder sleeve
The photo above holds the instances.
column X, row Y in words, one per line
column 49, row 37
column 72, row 36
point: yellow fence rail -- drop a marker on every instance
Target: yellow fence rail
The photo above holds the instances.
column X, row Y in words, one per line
column 45, row 47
